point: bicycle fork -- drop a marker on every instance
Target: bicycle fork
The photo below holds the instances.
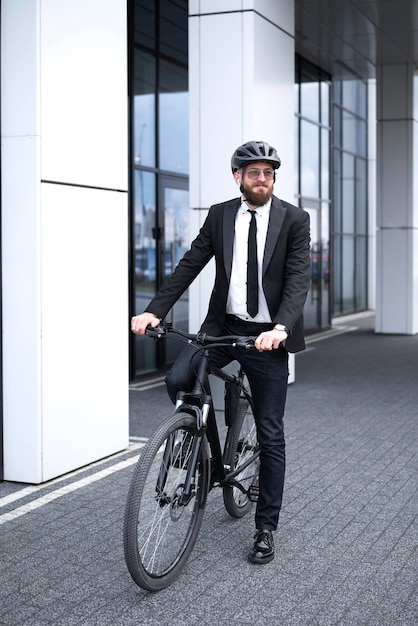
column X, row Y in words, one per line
column 178, row 454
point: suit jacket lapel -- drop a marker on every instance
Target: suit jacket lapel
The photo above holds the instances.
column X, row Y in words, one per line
column 229, row 234
column 277, row 213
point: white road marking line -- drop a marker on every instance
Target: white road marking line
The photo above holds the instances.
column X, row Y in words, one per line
column 58, row 493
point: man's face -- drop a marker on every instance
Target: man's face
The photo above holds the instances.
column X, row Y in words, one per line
column 257, row 180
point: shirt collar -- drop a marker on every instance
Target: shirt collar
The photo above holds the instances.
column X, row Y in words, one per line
column 265, row 208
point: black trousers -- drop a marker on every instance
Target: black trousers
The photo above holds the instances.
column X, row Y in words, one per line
column 267, row 374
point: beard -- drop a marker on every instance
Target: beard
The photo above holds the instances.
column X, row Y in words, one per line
column 256, row 198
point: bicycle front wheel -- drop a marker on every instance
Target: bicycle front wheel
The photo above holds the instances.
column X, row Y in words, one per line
column 241, row 450
column 160, row 527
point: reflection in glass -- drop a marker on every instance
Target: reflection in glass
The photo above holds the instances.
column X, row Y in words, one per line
column 325, row 191
column 145, row 262
column 312, row 181
column 144, row 109
column 326, row 264
column 325, row 91
column 337, row 192
column 176, row 243
column 348, row 193
column 173, row 29
column 354, row 96
column 309, row 159
column 361, row 197
column 297, row 181
column 173, row 119
column 354, row 134
column 144, row 23
column 348, row 259
column 337, row 272
column 309, row 100
column 361, row 277
column 312, row 306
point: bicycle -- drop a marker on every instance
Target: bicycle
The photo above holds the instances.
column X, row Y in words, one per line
column 183, row 461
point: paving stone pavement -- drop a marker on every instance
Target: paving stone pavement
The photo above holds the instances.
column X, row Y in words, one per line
column 346, row 543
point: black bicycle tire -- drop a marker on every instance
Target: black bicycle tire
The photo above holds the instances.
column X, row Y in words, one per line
column 230, row 493
column 155, row 581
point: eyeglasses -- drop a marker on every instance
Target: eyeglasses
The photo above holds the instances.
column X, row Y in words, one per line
column 253, row 174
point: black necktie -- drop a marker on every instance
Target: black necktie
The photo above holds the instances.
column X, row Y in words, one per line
column 252, row 268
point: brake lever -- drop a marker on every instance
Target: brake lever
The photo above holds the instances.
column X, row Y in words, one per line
column 246, row 343
column 156, row 333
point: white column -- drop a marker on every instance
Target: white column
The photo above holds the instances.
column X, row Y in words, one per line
column 397, row 209
column 241, row 84
column 64, row 234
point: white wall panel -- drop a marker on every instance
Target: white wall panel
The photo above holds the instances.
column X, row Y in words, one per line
column 64, row 252
column 392, row 254
column 21, row 308
column 273, row 97
column 279, row 12
column 19, row 68
column 395, row 184
column 84, row 92
column 397, row 207
column 221, row 103
column 84, row 326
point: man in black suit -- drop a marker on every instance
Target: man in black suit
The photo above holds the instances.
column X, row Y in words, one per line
column 256, row 230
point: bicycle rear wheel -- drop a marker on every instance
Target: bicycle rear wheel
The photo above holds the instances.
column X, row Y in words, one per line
column 159, row 529
column 241, row 448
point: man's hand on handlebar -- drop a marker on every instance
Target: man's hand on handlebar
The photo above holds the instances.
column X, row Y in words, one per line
column 139, row 323
column 270, row 340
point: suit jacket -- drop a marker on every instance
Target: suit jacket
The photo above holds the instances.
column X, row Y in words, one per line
column 286, row 267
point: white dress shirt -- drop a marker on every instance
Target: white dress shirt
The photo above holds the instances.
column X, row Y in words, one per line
column 237, row 294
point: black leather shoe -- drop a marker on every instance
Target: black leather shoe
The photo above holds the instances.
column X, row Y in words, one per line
column 263, row 549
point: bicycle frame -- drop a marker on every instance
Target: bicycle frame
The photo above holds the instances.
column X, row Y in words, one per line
column 200, row 405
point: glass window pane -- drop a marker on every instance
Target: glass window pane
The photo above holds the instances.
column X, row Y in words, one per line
column 174, row 29
column 309, row 159
column 144, row 109
column 337, row 192
column 348, row 193
column 336, row 126
column 296, row 169
column 144, row 23
column 361, row 197
column 145, row 222
column 173, row 119
column 326, row 266
column 361, row 273
column 354, row 96
column 348, row 259
column 325, row 163
column 349, row 132
column 296, row 96
column 336, row 269
column 145, row 263
column 309, row 100
column 325, row 88
column 337, row 91
column 361, row 138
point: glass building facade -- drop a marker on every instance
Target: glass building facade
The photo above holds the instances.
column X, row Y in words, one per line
column 349, row 195
column 330, row 175
column 159, row 163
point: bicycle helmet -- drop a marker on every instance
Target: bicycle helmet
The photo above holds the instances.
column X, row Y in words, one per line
column 254, row 151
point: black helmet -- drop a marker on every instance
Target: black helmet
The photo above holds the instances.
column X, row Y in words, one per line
column 254, row 151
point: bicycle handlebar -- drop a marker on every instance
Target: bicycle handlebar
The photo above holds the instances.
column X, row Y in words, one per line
column 236, row 341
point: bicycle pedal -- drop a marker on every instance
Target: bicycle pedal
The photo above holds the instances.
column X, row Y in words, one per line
column 253, row 492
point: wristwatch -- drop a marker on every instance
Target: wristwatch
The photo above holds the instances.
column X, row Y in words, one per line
column 282, row 327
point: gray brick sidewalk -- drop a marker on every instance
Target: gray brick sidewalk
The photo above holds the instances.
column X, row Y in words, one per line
column 346, row 542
